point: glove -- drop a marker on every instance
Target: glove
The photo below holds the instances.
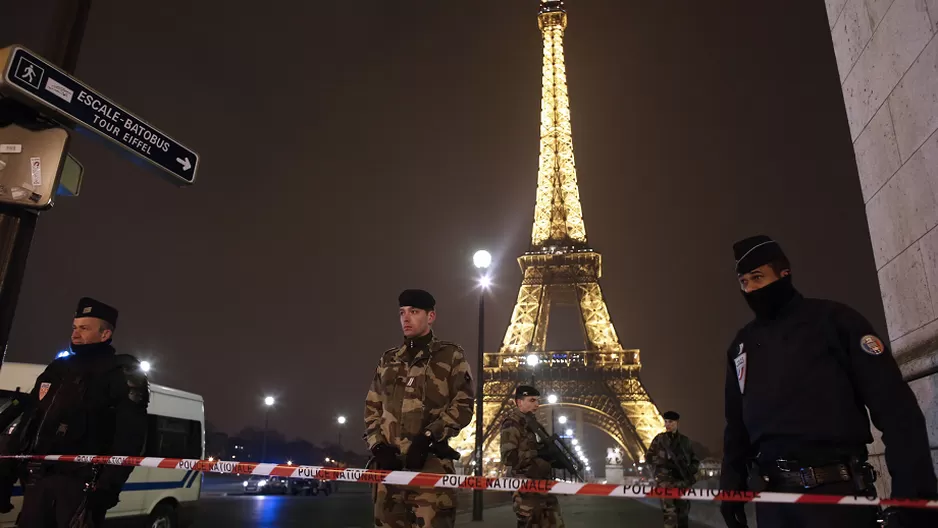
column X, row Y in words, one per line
column 443, row 451
column 417, row 454
column 5, row 493
column 102, row 500
column 386, row 456
column 544, row 453
column 734, row 513
column 914, row 517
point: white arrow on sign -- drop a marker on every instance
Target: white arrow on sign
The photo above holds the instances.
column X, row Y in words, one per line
column 186, row 165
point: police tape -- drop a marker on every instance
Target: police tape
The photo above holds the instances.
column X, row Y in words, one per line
column 469, row 482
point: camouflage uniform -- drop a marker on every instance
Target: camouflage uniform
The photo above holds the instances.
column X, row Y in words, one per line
column 418, row 389
column 519, row 447
column 667, row 474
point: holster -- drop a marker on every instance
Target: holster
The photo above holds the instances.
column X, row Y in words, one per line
column 756, row 481
column 864, row 476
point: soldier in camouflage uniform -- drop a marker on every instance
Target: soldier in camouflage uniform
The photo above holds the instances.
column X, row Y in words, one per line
column 675, row 466
column 421, row 396
column 526, row 457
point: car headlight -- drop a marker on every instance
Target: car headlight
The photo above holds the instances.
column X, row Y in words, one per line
column 262, row 483
column 245, row 483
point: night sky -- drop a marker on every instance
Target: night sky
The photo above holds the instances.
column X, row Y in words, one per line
column 351, row 149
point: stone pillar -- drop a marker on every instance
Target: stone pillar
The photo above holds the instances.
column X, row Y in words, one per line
column 887, row 56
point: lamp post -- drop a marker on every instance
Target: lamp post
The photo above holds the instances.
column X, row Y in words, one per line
column 482, row 260
column 268, row 402
column 341, row 421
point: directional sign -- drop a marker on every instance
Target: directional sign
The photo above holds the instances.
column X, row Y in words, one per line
column 34, row 81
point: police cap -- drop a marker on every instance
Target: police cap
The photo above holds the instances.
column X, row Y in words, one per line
column 755, row 251
column 671, row 415
column 523, row 391
column 88, row 307
column 417, row 299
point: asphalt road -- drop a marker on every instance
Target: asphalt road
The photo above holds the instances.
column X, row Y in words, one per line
column 351, row 507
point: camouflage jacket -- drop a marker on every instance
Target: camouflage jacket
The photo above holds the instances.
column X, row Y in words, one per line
column 433, row 391
column 519, row 447
column 666, row 467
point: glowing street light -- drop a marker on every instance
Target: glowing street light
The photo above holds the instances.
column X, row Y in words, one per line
column 145, row 366
column 562, row 420
column 532, row 360
column 552, row 398
column 569, row 432
column 482, row 259
column 269, row 402
column 341, row 420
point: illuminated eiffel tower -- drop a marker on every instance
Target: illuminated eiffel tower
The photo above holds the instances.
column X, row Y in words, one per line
column 600, row 384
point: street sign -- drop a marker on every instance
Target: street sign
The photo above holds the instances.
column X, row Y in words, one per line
column 32, row 80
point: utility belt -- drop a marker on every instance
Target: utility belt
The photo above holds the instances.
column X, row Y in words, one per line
column 783, row 474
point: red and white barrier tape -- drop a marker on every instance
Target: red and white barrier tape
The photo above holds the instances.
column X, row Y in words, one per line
column 436, row 480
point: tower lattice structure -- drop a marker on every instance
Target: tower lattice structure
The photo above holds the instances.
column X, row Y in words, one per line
column 601, row 382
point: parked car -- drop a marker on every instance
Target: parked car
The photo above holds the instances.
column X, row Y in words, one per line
column 261, row 485
column 312, row 487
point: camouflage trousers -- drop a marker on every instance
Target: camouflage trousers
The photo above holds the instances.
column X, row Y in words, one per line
column 676, row 513
column 411, row 507
column 536, row 510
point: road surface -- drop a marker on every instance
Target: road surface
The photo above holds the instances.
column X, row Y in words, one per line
column 351, row 508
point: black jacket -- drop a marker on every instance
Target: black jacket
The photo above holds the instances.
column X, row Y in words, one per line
column 92, row 403
column 799, row 385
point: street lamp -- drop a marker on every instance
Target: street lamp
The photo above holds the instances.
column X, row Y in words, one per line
column 532, row 360
column 269, row 402
column 562, row 420
column 482, row 259
column 552, row 398
column 145, row 366
column 341, row 421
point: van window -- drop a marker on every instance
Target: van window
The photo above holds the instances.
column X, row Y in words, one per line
column 173, row 437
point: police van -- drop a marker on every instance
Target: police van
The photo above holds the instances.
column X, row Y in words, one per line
column 154, row 497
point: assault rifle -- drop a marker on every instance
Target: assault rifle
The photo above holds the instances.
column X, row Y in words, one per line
column 561, row 455
column 682, row 465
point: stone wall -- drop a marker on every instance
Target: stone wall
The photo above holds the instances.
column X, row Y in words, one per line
column 887, row 57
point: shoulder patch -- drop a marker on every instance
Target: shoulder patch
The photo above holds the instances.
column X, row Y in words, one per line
column 872, row 345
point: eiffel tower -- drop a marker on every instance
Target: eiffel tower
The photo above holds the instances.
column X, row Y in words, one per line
column 600, row 384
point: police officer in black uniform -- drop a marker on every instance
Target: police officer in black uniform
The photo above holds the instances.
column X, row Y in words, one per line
column 93, row 402
column 799, row 380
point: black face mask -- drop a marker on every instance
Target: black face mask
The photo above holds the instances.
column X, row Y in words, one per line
column 91, row 348
column 767, row 301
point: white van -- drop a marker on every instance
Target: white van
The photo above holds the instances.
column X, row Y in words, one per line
column 155, row 497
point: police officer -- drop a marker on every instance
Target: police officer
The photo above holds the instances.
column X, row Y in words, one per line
column 526, row 457
column 675, row 466
column 420, row 397
column 92, row 402
column 799, row 380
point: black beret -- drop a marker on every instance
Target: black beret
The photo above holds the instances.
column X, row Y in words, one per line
column 418, row 299
column 523, row 391
column 88, row 307
column 671, row 415
column 755, row 251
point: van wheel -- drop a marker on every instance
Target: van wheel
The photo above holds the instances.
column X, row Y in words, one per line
column 163, row 516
